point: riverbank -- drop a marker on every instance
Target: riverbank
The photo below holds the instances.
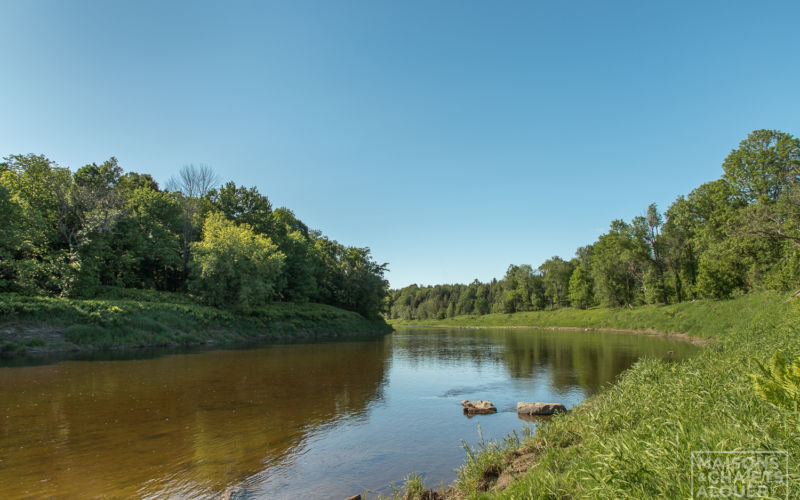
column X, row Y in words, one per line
column 701, row 319
column 635, row 439
column 674, row 336
column 129, row 319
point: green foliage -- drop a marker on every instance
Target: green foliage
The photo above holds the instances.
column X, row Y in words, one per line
column 362, row 285
column 302, row 266
column 556, row 273
column 521, row 289
column 580, row 288
column 785, row 274
column 149, row 235
column 234, row 267
column 699, row 318
column 244, row 206
column 350, row 278
column 72, row 234
column 514, row 300
column 75, row 234
column 619, row 262
column 654, row 288
column 481, row 306
column 10, row 236
column 124, row 317
column 778, row 382
column 485, row 461
column 414, row 487
column 763, row 165
column 720, row 271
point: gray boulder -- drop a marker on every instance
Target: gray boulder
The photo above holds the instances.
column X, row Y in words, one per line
column 539, row 408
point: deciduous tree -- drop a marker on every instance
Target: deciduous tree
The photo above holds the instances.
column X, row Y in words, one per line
column 234, row 267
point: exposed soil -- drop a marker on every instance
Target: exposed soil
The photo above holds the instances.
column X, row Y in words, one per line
column 519, row 462
column 22, row 331
column 51, row 339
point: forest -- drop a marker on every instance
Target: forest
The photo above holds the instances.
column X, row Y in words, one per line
column 95, row 231
column 725, row 238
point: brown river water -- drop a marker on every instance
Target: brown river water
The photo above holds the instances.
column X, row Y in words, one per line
column 323, row 420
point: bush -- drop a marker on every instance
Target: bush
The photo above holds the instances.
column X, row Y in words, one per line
column 720, row 272
column 234, row 267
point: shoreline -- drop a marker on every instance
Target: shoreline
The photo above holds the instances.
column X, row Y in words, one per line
column 38, row 326
column 675, row 336
column 654, row 410
column 62, row 347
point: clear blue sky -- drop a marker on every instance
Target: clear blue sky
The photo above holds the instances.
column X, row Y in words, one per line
column 451, row 137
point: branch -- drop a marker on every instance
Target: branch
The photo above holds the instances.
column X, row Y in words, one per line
column 795, row 294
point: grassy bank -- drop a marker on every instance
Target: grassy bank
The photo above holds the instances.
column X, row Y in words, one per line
column 134, row 318
column 634, row 440
column 701, row 318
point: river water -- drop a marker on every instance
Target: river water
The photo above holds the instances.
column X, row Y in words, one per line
column 323, row 420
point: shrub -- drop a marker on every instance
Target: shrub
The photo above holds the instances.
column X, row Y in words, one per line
column 234, row 267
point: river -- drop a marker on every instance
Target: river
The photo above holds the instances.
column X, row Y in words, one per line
column 322, row 420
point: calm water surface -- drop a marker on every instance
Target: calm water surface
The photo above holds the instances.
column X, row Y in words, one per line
column 321, row 420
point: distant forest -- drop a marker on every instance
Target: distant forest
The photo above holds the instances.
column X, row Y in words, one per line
column 725, row 238
column 76, row 234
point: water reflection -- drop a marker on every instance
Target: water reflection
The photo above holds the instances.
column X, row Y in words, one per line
column 288, row 421
column 182, row 425
column 587, row 360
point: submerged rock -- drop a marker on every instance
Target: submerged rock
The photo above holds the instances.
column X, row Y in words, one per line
column 539, row 408
column 231, row 492
column 478, row 407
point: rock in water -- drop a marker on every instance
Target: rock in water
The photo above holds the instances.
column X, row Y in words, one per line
column 539, row 408
column 230, row 493
column 478, row 407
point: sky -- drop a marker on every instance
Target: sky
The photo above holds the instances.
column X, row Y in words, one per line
column 453, row 138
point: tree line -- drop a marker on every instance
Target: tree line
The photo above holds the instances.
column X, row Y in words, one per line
column 726, row 237
column 65, row 233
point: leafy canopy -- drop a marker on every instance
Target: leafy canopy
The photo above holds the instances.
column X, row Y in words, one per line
column 233, row 266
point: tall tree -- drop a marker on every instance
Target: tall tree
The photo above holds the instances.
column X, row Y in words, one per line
column 767, row 163
column 556, row 273
column 194, row 181
column 649, row 227
column 581, row 294
column 244, row 206
column 763, row 165
column 679, row 254
column 10, row 236
column 49, row 220
column 619, row 263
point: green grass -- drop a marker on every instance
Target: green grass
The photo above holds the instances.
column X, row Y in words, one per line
column 634, row 440
column 134, row 318
column 701, row 318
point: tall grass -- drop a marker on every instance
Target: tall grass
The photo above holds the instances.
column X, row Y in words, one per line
column 635, row 439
